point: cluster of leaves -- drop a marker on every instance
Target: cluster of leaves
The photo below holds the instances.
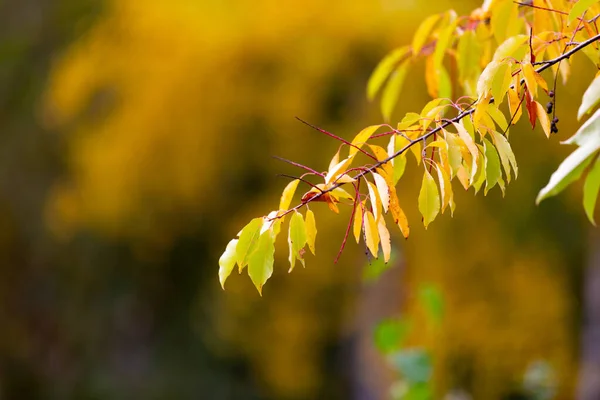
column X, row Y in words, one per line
column 495, row 57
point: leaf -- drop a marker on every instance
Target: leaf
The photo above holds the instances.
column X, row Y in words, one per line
column 506, row 155
column 588, row 131
column 429, row 199
column 247, row 242
column 481, row 173
column 502, row 19
column 414, row 364
column 423, row 33
column 391, row 93
column 529, row 76
column 358, row 220
column 227, row 262
column 512, row 47
column 468, row 54
column 498, row 118
column 334, row 161
column 390, row 333
column 384, row 191
column 395, row 209
column 544, row 119
column 484, row 84
column 383, row 70
column 375, row 200
column 591, row 97
column 288, row 194
column 514, row 104
column 433, row 302
column 579, row 8
column 311, row 230
column 464, row 135
column 371, row 234
column 590, row 190
column 386, row 244
column 454, row 155
column 260, row 262
column 296, row 239
column 444, row 40
column 339, row 168
column 501, row 82
column 492, row 166
column 568, row 172
column 362, row 138
column 445, row 186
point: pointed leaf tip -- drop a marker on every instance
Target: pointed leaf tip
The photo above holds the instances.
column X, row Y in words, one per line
column 227, row 262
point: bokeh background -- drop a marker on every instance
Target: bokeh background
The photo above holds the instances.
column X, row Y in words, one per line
column 136, row 140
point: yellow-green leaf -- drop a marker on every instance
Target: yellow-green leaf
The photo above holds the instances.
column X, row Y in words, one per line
column 506, row 155
column 492, row 166
column 260, row 262
column 445, row 186
column 454, row 154
column 371, row 234
column 383, row 70
column 227, row 262
column 464, row 135
column 311, row 230
column 296, row 239
column 513, row 47
column 579, row 8
column 391, row 93
column 288, row 194
column 590, row 190
column 247, row 242
column 429, row 199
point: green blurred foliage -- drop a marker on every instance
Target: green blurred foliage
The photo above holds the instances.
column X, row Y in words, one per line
column 136, row 139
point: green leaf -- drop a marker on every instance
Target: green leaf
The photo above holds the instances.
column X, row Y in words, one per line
column 445, row 88
column 480, row 175
column 432, row 300
column 296, row 238
column 444, row 40
column 414, row 365
column 591, row 97
column 590, row 190
column 501, row 82
column 429, row 199
column 311, row 230
column 383, row 70
column 579, row 8
column 492, row 166
column 260, row 262
column 391, row 93
column 390, row 333
column 247, row 242
column 374, row 269
column 227, row 262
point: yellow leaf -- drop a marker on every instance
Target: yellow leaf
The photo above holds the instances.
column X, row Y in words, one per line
column 511, row 48
column 386, row 244
column 514, row 104
column 339, row 169
column 362, row 138
column 288, row 194
column 340, row 193
column 473, row 150
column 260, row 262
column 484, row 84
column 227, row 262
column 391, row 93
column 358, row 220
column 375, row 200
column 423, row 33
column 429, row 199
column 383, row 190
column 311, row 230
column 381, row 154
column 371, row 234
column 334, row 161
column 529, row 76
column 544, row 119
column 395, row 209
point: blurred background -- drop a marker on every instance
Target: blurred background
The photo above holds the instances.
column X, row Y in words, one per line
column 136, row 140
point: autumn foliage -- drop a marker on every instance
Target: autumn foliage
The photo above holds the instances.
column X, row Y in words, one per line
column 484, row 71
